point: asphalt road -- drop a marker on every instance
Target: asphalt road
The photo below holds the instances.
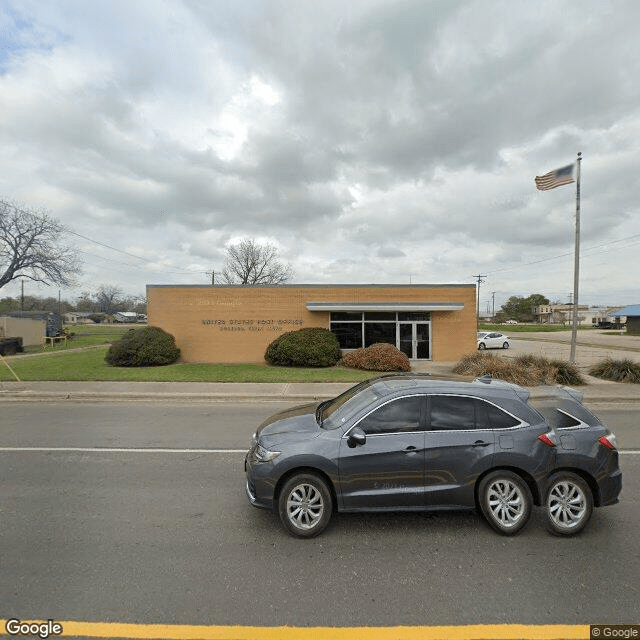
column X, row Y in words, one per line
column 169, row 537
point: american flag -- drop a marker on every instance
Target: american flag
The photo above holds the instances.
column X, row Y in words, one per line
column 555, row 178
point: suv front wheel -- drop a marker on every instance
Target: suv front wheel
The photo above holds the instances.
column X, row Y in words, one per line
column 305, row 505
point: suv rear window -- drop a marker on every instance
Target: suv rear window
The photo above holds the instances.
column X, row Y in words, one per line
column 564, row 412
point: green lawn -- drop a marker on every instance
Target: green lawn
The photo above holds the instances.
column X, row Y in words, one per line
column 89, row 364
column 84, row 335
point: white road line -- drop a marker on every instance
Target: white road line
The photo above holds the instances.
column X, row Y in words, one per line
column 116, row 450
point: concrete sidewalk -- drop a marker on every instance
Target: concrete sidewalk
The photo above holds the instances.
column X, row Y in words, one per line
column 596, row 391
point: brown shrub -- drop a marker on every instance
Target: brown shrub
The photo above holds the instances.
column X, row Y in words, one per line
column 377, row 357
column 526, row 370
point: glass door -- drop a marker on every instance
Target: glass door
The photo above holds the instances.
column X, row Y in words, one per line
column 405, row 339
column 414, row 340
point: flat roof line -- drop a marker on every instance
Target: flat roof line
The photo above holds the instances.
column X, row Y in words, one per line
column 312, row 286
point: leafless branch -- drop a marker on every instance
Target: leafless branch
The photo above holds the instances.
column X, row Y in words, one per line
column 252, row 264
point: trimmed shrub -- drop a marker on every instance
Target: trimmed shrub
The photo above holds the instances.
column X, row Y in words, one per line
column 378, row 357
column 527, row 370
column 312, row 347
column 617, row 370
column 145, row 347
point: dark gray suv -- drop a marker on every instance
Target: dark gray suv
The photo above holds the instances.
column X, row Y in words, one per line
column 411, row 442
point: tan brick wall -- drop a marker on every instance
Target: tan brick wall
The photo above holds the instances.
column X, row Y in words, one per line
column 236, row 324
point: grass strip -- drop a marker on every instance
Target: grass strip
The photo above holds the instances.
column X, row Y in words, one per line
column 89, row 365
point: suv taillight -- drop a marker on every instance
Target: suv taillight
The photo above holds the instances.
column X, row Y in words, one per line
column 548, row 438
column 608, row 441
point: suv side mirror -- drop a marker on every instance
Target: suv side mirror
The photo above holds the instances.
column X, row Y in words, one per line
column 357, row 437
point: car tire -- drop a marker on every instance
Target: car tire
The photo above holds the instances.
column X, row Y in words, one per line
column 505, row 345
column 305, row 505
column 482, row 346
column 506, row 502
column 568, row 504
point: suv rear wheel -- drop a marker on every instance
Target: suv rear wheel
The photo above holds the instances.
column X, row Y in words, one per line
column 568, row 504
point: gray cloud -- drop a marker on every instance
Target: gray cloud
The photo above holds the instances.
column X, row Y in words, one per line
column 373, row 141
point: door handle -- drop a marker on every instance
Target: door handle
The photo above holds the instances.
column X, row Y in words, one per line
column 481, row 443
column 410, row 449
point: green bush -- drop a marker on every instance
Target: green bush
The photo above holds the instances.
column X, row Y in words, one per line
column 145, row 347
column 617, row 370
column 378, row 357
column 312, row 347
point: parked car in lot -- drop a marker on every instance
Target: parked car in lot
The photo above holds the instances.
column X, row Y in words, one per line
column 492, row 340
column 411, row 442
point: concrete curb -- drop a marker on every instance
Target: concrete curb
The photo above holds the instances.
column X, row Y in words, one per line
column 597, row 393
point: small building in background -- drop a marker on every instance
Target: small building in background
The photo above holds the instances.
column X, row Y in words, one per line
column 632, row 315
column 31, row 330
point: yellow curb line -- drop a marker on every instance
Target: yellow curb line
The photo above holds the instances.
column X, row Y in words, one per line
column 192, row 632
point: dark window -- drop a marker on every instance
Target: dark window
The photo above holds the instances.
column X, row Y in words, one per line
column 414, row 316
column 397, row 416
column 380, row 316
column 452, row 412
column 346, row 315
column 349, row 334
column 379, row 332
column 497, row 418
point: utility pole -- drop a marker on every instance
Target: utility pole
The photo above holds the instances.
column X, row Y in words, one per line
column 480, row 279
column 493, row 298
column 213, row 276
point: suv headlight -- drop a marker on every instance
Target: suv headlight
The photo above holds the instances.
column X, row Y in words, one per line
column 264, row 455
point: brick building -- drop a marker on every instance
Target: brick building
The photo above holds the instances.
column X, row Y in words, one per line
column 236, row 324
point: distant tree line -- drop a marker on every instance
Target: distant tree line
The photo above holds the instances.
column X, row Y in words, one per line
column 520, row 308
column 106, row 300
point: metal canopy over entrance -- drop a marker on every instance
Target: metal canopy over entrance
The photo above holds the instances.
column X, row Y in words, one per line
column 385, row 306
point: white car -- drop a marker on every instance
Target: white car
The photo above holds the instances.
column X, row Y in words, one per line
column 492, row 340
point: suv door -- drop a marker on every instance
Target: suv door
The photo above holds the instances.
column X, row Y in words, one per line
column 459, row 446
column 387, row 471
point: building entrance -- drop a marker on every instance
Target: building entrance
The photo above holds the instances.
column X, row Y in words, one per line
column 414, row 340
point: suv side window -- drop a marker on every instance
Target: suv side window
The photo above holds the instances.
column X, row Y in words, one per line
column 496, row 417
column 452, row 413
column 398, row 416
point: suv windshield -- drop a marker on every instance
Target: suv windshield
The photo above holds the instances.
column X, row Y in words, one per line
column 333, row 413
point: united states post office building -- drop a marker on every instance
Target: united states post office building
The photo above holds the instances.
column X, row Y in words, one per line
column 237, row 323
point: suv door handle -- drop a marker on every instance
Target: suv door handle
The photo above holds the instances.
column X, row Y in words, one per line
column 481, row 443
column 410, row 449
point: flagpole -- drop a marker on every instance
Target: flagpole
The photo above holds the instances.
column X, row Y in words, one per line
column 576, row 267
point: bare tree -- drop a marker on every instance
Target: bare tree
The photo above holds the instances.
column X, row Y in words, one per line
column 109, row 298
column 31, row 247
column 253, row 264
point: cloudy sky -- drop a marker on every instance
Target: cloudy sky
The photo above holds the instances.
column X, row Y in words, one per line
column 373, row 141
